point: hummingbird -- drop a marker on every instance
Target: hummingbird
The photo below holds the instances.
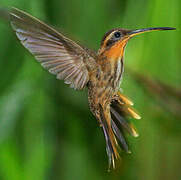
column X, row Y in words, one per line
column 80, row 67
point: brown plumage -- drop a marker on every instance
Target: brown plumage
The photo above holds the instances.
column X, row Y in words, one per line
column 80, row 67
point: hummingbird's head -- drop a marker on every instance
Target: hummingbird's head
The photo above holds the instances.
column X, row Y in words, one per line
column 115, row 40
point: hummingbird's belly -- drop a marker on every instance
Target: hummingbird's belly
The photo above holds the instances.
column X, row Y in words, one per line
column 104, row 84
column 101, row 94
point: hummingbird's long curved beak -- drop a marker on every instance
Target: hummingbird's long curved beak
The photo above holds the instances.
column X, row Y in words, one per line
column 140, row 31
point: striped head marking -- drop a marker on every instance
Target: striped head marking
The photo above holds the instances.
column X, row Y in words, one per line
column 113, row 42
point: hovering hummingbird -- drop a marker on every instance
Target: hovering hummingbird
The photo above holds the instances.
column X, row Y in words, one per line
column 101, row 72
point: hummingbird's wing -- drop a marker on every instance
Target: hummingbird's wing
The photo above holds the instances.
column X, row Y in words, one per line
column 60, row 55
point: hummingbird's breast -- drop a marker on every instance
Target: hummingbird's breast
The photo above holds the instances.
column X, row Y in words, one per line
column 105, row 81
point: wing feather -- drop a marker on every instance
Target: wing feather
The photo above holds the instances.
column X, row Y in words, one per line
column 56, row 53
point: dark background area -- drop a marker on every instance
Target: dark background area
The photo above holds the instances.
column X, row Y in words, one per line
column 46, row 128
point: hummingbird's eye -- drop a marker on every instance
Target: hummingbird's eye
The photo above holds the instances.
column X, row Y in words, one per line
column 114, row 38
column 117, row 34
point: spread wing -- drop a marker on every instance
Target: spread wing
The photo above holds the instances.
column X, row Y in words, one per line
column 56, row 53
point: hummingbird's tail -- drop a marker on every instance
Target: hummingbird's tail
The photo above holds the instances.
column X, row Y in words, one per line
column 111, row 142
column 120, row 110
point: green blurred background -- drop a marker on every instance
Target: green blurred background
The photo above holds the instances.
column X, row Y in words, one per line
column 46, row 128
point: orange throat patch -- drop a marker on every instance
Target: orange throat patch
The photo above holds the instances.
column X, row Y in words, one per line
column 117, row 50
